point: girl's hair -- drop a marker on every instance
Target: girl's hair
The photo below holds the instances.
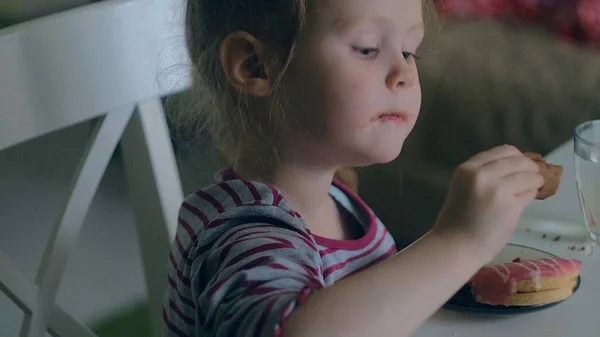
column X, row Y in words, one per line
column 215, row 106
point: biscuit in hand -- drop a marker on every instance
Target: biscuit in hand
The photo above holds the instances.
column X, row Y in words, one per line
column 551, row 174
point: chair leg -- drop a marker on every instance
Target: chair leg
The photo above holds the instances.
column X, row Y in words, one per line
column 97, row 154
column 156, row 194
column 23, row 292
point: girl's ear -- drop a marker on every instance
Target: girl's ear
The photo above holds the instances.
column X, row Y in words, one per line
column 243, row 59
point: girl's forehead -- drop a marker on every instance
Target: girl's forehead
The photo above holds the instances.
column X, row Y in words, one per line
column 336, row 13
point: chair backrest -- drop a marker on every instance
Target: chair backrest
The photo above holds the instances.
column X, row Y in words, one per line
column 75, row 65
column 109, row 61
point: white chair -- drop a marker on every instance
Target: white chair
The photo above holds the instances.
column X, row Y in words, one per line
column 101, row 61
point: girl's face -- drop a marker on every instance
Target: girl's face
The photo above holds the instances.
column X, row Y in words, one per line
column 353, row 87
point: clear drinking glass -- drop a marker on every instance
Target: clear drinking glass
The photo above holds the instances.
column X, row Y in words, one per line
column 587, row 172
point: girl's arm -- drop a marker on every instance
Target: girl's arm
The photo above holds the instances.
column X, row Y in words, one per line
column 486, row 198
column 392, row 298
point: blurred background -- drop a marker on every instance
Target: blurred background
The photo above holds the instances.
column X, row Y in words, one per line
column 523, row 72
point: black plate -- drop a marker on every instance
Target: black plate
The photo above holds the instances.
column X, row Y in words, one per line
column 464, row 301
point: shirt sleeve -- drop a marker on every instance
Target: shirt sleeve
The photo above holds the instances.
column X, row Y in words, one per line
column 254, row 277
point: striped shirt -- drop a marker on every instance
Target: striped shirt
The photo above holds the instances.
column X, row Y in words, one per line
column 243, row 258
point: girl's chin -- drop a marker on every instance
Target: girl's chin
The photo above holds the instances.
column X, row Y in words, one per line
column 387, row 157
column 374, row 156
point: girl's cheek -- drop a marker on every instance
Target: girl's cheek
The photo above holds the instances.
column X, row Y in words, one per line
column 354, row 87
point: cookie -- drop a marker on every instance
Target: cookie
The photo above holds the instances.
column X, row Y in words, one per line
column 546, row 283
column 542, row 297
column 525, row 282
column 551, row 174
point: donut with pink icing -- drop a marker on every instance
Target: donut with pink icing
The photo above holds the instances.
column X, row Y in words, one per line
column 525, row 282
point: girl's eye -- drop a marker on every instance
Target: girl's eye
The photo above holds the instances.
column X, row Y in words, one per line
column 366, row 53
column 408, row 55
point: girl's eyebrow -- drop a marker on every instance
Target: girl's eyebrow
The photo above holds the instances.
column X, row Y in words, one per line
column 418, row 28
column 349, row 23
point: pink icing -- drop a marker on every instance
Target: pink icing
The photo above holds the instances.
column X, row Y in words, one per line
column 493, row 284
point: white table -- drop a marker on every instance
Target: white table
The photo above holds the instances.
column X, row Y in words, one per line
column 579, row 315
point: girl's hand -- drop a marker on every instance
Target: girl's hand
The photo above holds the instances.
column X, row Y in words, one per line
column 487, row 196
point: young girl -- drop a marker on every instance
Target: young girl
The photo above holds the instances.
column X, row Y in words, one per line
column 295, row 90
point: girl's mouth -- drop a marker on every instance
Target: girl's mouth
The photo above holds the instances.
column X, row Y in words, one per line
column 397, row 117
